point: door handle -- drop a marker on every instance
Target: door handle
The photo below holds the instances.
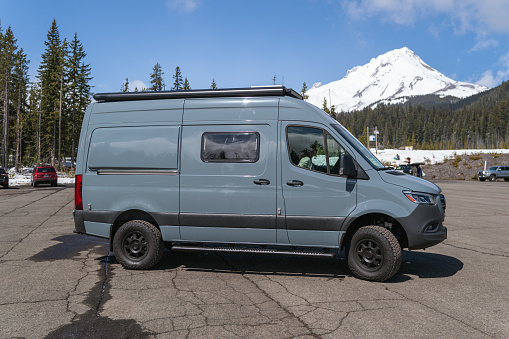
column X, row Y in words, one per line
column 296, row 183
column 262, row 182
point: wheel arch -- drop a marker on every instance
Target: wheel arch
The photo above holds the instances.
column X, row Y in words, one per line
column 129, row 215
column 377, row 219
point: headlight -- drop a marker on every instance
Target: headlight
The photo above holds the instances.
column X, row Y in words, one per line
column 420, row 198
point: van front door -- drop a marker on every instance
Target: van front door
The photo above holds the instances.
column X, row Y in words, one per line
column 228, row 183
column 317, row 198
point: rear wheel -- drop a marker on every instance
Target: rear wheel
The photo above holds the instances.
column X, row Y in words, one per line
column 374, row 254
column 138, row 245
column 493, row 177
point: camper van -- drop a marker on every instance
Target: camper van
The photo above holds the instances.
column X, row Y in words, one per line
column 250, row 170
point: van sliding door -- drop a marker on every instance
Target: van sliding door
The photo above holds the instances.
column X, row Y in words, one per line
column 228, row 183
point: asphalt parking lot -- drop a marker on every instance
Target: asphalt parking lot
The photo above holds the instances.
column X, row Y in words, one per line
column 57, row 284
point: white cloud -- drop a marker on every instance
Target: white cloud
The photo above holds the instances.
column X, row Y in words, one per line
column 482, row 17
column 484, row 44
column 137, row 84
column 492, row 78
column 182, row 6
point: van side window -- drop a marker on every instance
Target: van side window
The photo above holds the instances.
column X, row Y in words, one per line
column 230, row 147
column 314, row 149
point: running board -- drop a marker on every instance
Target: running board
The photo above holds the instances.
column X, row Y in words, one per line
column 181, row 248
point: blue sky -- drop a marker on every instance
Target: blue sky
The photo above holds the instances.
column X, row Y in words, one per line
column 244, row 43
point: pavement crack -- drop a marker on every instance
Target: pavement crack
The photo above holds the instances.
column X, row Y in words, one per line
column 36, row 228
column 268, row 296
column 438, row 311
column 477, row 251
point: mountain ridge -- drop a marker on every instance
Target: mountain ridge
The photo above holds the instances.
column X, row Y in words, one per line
column 391, row 78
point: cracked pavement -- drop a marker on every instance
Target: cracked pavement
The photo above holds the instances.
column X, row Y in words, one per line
column 57, row 284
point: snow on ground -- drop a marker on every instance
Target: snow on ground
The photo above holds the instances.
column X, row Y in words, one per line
column 387, row 156
column 435, row 156
column 18, row 179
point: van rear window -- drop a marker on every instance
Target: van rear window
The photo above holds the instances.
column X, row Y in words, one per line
column 230, row 147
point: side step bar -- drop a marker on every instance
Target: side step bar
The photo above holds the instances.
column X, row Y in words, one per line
column 183, row 248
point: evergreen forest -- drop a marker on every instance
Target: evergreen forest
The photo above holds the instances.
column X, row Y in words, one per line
column 41, row 120
column 477, row 122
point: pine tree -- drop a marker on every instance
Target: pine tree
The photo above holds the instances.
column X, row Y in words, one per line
column 63, row 88
column 213, row 85
column 125, row 86
column 178, row 83
column 79, row 91
column 186, row 87
column 325, row 107
column 20, row 83
column 7, row 60
column 303, row 91
column 156, row 78
column 49, row 76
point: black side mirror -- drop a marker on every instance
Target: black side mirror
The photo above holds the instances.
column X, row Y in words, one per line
column 349, row 168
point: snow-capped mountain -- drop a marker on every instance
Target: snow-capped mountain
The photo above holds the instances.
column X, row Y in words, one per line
column 392, row 78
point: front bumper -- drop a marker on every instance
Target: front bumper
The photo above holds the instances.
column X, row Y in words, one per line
column 483, row 175
column 416, row 224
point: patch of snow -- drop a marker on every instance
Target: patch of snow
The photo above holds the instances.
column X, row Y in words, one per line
column 434, row 156
column 18, row 179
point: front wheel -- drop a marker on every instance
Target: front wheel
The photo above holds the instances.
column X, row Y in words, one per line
column 493, row 177
column 138, row 245
column 374, row 254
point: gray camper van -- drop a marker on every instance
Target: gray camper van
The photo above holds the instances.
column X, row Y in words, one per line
column 253, row 170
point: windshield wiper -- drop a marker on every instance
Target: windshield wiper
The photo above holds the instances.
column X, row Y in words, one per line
column 386, row 168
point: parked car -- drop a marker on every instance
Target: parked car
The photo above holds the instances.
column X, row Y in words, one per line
column 494, row 173
column 412, row 169
column 249, row 170
column 44, row 175
column 4, row 178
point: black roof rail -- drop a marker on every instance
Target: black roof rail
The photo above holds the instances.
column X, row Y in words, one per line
column 199, row 93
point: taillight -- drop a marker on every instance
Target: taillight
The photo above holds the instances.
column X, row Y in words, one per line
column 78, row 197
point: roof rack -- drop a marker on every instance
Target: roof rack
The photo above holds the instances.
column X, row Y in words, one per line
column 200, row 93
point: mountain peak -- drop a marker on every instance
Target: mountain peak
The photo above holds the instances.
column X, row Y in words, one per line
column 393, row 77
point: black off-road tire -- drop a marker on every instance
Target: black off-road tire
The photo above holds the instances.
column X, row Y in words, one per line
column 493, row 177
column 138, row 245
column 374, row 254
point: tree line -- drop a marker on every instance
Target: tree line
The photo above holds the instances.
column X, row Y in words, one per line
column 42, row 119
column 480, row 121
column 158, row 83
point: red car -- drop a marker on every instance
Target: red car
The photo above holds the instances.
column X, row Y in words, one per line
column 44, row 175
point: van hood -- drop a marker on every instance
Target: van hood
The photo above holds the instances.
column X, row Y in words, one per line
column 409, row 182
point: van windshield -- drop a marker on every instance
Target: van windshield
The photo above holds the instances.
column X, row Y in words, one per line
column 360, row 148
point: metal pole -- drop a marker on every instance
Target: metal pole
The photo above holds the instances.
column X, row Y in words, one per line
column 376, row 139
